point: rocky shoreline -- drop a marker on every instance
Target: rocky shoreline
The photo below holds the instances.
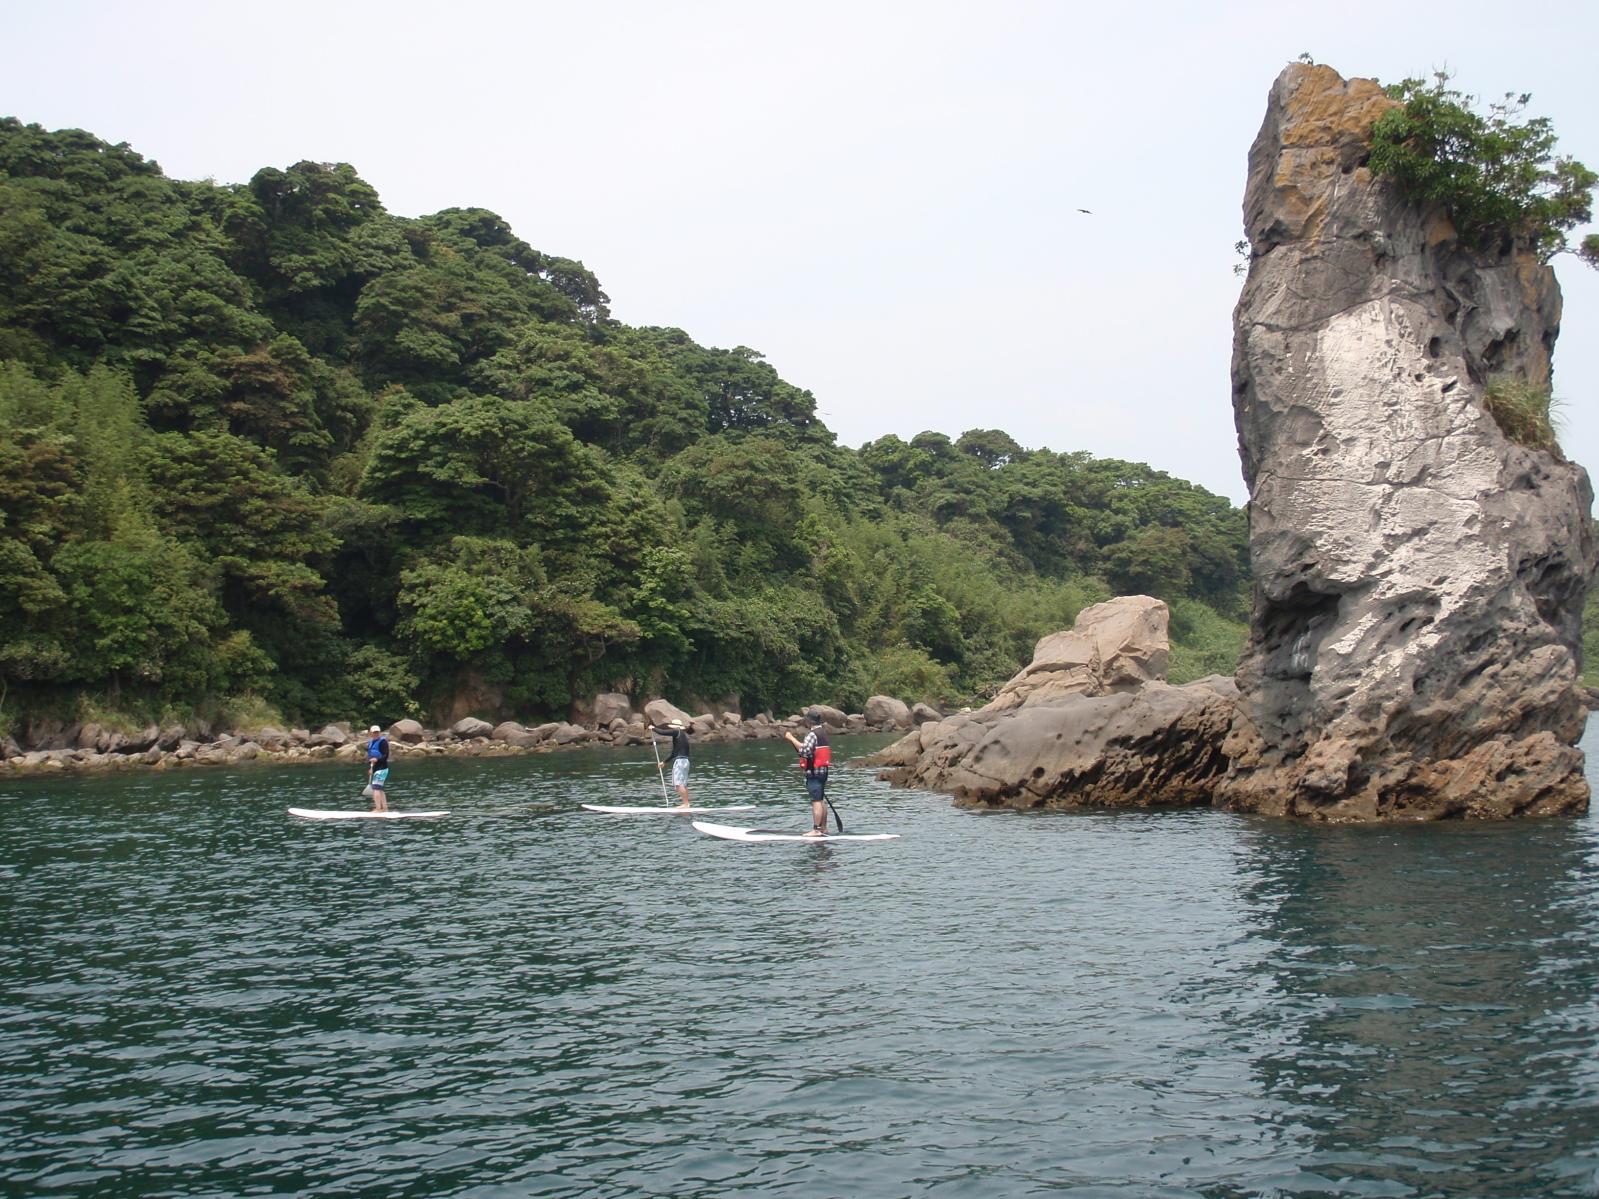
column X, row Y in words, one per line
column 612, row 722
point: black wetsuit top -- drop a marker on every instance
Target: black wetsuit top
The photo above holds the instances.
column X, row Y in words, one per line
column 679, row 740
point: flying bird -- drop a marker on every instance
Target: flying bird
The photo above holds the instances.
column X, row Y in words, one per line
column 1085, row 210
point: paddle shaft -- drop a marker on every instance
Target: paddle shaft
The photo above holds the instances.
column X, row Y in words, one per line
column 659, row 769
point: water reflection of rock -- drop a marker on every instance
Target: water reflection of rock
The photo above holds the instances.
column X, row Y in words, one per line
column 1430, row 993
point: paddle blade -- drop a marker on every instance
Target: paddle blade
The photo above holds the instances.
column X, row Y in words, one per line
column 366, row 791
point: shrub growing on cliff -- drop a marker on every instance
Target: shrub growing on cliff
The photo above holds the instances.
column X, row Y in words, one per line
column 1497, row 175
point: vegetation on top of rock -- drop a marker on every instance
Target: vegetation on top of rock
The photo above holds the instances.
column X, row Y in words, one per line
column 1497, row 175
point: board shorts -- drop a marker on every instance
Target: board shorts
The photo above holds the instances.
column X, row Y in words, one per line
column 379, row 777
column 679, row 772
column 816, row 784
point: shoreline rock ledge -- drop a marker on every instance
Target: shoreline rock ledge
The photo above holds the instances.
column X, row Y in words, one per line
column 1419, row 578
column 1091, row 720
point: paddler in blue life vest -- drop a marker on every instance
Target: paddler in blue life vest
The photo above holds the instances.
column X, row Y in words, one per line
column 816, row 755
column 678, row 732
column 377, row 768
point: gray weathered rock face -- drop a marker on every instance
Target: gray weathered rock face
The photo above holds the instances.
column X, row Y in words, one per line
column 1419, row 578
column 1159, row 745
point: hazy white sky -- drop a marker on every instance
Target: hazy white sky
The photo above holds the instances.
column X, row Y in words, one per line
column 880, row 197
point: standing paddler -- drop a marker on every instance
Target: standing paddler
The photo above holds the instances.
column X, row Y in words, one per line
column 816, row 755
column 377, row 768
column 678, row 732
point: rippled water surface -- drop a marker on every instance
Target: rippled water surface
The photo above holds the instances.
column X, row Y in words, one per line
column 200, row 995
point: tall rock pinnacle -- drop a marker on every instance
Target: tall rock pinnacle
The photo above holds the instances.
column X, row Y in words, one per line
column 1419, row 577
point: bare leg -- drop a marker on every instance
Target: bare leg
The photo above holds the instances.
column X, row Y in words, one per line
column 818, row 816
column 682, row 793
column 380, row 798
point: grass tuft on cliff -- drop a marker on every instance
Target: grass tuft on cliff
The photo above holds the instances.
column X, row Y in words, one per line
column 1524, row 413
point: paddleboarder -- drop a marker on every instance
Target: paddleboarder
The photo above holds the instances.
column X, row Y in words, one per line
column 377, row 768
column 816, row 755
column 678, row 732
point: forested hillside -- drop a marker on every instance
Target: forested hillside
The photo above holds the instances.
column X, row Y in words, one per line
column 267, row 444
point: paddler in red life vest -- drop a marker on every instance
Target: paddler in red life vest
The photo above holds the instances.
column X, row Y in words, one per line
column 816, row 755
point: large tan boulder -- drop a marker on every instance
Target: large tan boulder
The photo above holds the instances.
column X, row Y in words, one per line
column 658, row 711
column 609, row 706
column 1118, row 645
column 886, row 711
column 832, row 717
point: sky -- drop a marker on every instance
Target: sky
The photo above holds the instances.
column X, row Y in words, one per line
column 881, row 198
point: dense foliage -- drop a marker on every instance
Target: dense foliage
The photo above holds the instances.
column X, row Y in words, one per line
column 1498, row 176
column 271, row 441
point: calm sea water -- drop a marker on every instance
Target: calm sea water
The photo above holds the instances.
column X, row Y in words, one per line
column 200, row 995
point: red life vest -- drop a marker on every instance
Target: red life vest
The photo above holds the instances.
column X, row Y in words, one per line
column 820, row 757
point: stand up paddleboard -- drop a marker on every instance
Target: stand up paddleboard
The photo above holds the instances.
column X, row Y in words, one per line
column 730, row 833
column 595, row 807
column 324, row 814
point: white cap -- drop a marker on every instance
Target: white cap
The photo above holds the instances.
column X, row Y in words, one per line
column 374, row 729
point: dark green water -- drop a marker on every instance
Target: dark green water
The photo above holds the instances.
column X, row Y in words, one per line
column 202, row 996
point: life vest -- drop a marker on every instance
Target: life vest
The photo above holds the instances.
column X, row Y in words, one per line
column 821, row 755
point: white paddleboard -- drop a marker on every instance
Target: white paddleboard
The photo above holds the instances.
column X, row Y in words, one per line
column 324, row 814
column 730, row 833
column 595, row 807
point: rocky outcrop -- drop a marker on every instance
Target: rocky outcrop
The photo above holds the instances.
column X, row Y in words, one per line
column 1089, row 722
column 1419, row 577
column 1118, row 645
column 1157, row 746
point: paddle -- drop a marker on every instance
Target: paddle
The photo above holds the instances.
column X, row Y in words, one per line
column 659, row 769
